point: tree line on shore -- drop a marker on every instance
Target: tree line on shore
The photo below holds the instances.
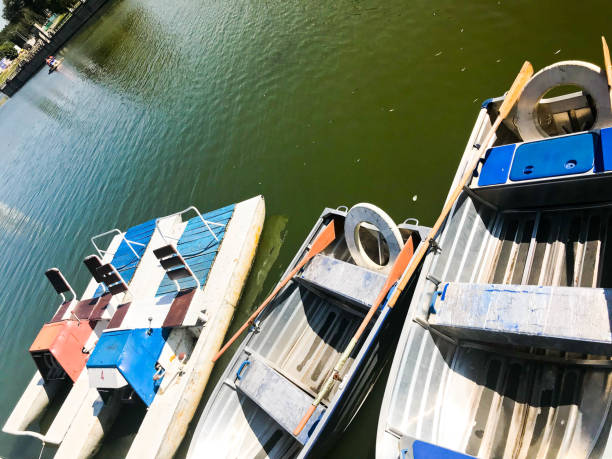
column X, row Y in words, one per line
column 21, row 16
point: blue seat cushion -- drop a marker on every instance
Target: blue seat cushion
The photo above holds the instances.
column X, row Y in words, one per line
column 554, row 157
column 497, row 165
column 424, row 450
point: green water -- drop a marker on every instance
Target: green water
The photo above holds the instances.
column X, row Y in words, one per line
column 160, row 105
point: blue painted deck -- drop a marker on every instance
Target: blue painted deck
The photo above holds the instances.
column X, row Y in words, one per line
column 124, row 259
column 199, row 248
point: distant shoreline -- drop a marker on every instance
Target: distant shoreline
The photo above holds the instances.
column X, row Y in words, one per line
column 49, row 46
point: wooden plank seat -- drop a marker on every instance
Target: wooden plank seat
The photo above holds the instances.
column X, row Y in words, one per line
column 345, row 281
column 92, row 309
column 573, row 319
column 276, row 395
column 59, row 314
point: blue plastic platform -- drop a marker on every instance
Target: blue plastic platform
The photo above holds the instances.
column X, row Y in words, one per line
column 566, row 170
column 605, row 136
column 134, row 353
column 497, row 165
column 124, row 259
column 574, row 154
column 424, row 450
column 199, row 248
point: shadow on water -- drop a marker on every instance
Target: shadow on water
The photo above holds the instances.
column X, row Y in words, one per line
column 117, row 441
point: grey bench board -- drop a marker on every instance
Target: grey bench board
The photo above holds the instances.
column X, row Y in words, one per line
column 276, row 395
column 572, row 319
column 344, row 280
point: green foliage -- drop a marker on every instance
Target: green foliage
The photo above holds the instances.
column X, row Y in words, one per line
column 22, row 14
column 7, row 50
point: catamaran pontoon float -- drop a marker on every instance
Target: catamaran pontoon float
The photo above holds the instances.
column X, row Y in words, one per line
column 158, row 350
column 506, row 349
column 295, row 342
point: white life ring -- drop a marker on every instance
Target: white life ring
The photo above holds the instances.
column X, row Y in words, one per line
column 369, row 213
column 588, row 76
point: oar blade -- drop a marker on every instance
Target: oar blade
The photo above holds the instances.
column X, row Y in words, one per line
column 324, row 238
column 516, row 89
column 398, row 268
column 607, row 62
column 401, row 262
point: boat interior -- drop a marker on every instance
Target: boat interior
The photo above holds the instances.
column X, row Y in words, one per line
column 292, row 349
column 523, row 398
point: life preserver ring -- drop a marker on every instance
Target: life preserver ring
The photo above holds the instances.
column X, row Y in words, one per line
column 583, row 74
column 369, row 213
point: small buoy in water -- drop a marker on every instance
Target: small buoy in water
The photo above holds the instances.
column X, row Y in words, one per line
column 414, row 198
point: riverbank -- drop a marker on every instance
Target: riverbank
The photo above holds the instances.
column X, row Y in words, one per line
column 45, row 47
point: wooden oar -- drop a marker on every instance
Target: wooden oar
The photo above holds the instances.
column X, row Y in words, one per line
column 607, row 64
column 324, row 238
column 511, row 97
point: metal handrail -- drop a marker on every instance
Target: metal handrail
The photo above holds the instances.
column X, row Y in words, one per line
column 206, row 222
column 74, row 297
column 190, row 271
column 102, row 253
column 157, row 227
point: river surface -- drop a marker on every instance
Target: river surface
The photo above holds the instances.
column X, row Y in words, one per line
column 160, row 105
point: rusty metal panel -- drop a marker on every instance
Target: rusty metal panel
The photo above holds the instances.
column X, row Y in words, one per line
column 84, row 308
column 120, row 313
column 179, row 308
column 101, row 307
column 60, row 312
